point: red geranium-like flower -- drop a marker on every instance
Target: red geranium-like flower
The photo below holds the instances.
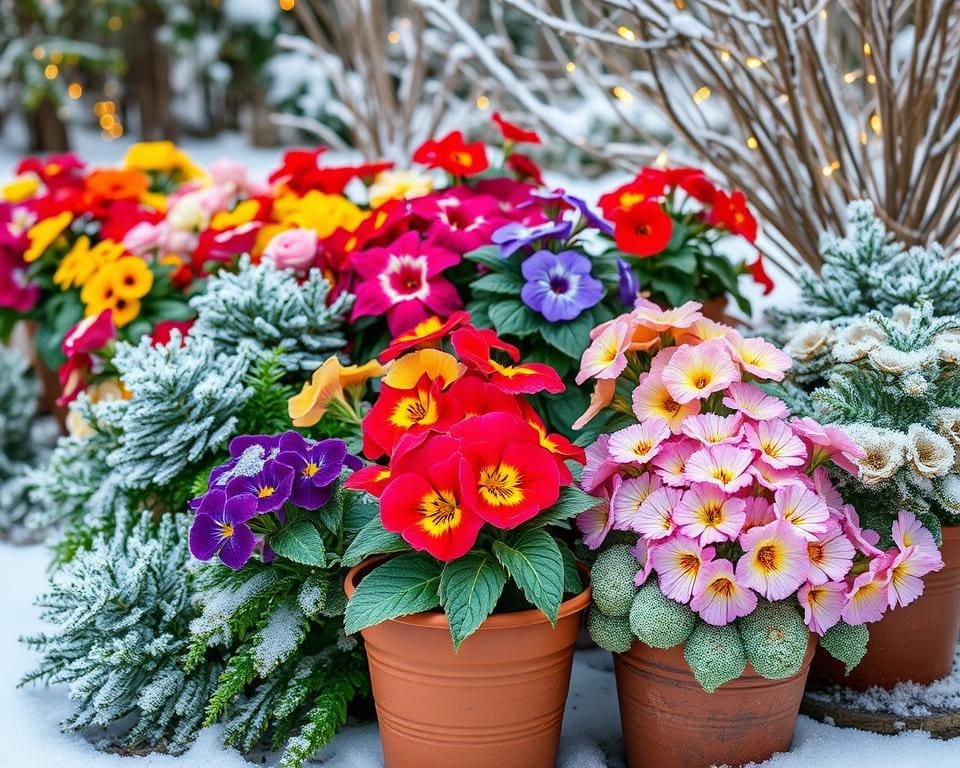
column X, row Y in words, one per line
column 515, row 133
column 89, row 335
column 372, row 478
column 73, row 378
column 524, row 168
column 731, row 213
column 559, row 446
column 760, row 276
column 474, row 347
column 424, row 334
column 643, row 230
column 404, row 282
column 642, row 189
column 162, row 330
column 507, row 477
column 423, row 501
column 453, row 154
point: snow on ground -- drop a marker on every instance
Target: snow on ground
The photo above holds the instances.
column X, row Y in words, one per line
column 29, row 737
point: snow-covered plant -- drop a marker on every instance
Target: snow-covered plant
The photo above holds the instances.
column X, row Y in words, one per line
column 119, row 614
column 266, row 308
column 894, row 387
column 290, row 672
column 867, row 270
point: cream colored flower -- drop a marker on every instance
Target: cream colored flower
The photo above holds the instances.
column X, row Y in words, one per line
column 187, row 214
column 884, row 451
column 948, row 424
column 891, row 360
column 809, row 340
column 929, row 454
column 914, row 385
column 949, row 493
column 902, row 315
column 392, row 185
column 856, row 340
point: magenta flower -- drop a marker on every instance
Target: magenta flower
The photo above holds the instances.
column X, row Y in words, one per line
column 89, row 335
column 16, row 291
column 404, row 282
column 220, row 528
column 459, row 219
column 719, row 596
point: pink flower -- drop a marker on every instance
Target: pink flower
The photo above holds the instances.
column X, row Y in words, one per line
column 831, row 555
column 677, row 562
column 774, row 560
column 697, row 372
column 822, row 605
column 654, row 518
column 671, row 463
column 642, row 551
column 758, row 511
column 459, row 219
column 629, row 497
column 144, row 237
column 404, row 282
column 708, row 514
column 774, row 479
column 802, row 509
column 864, row 540
column 906, row 576
column 828, row 443
column 90, row 334
column 909, row 532
column 712, row 429
column 638, row 443
column 654, row 317
column 603, row 392
column 652, row 400
column 721, row 465
column 293, row 249
column 16, row 291
column 825, row 489
column 596, row 522
column 759, row 357
column 776, row 443
column 867, row 599
column 719, row 596
column 606, row 357
column 753, row 402
column 598, row 466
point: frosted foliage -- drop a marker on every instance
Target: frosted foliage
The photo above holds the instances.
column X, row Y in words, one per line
column 119, row 614
column 866, row 270
column 218, row 604
column 269, row 309
column 184, row 406
column 279, row 639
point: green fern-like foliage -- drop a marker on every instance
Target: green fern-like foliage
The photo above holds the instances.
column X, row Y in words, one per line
column 267, row 309
column 120, row 612
column 265, row 411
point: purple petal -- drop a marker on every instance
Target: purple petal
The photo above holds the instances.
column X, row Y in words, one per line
column 236, row 549
column 310, row 496
column 212, row 503
column 206, row 534
column 534, row 294
column 292, row 441
column 240, row 508
column 239, row 444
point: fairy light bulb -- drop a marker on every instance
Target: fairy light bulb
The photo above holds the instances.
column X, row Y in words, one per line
column 51, row 71
column 570, row 67
column 483, row 103
column 74, row 90
column 622, row 94
column 752, row 142
column 393, row 37
column 626, row 33
column 753, row 62
column 701, row 94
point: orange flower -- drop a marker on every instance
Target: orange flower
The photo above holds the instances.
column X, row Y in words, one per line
column 325, row 390
column 113, row 184
column 406, row 372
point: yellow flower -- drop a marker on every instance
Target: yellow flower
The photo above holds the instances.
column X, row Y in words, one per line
column 125, row 311
column 244, row 213
column 76, row 267
column 155, row 200
column 391, row 185
column 105, row 391
column 323, row 213
column 438, row 366
column 163, row 157
column 21, row 188
column 44, row 233
column 325, row 389
column 130, row 277
column 98, row 293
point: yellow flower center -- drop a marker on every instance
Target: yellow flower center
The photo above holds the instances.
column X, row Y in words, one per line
column 768, row 558
column 266, row 491
column 722, row 587
column 440, row 512
column 311, row 469
column 500, row 485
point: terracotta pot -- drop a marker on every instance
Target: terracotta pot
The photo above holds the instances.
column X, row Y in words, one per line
column 915, row 643
column 496, row 703
column 669, row 721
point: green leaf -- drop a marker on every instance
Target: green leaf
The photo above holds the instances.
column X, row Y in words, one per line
column 571, row 503
column 684, row 261
column 572, row 583
column 470, row 587
column 401, row 586
column 498, row 282
column 331, row 514
column 532, row 558
column 300, row 542
column 570, row 337
column 513, row 316
column 358, row 510
column 488, row 255
column 373, row 540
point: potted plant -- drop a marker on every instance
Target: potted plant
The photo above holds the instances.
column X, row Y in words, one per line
column 470, row 615
column 724, row 548
column 875, row 345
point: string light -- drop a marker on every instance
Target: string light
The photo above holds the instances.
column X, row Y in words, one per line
column 701, row 94
column 753, row 62
column 661, row 160
column 56, row 57
column 483, row 102
column 570, row 67
column 114, row 23
column 875, row 124
column 851, row 77
column 51, row 71
column 872, row 79
column 867, row 50
column 74, row 90
column 724, row 55
column 39, row 53
column 752, row 142
column 823, row 15
column 287, row 5
column 828, row 170
column 626, row 33
column 622, row 94
column 783, row 98
column 393, row 37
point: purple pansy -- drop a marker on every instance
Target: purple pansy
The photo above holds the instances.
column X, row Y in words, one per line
column 559, row 285
column 515, row 235
column 593, row 219
column 315, row 468
column 246, row 448
column 629, row 285
column 220, row 528
column 271, row 486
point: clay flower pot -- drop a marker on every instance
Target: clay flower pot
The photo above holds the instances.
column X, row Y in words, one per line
column 669, row 721
column 498, row 702
column 914, row 643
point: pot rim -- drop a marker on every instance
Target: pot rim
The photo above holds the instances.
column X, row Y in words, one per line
column 568, row 607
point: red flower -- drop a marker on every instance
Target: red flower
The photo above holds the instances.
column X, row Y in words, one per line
column 73, row 378
column 731, row 213
column 124, row 215
column 423, row 334
column 224, row 244
column 453, row 154
column 474, row 347
column 561, row 448
column 372, row 478
column 477, row 396
column 643, row 229
column 515, row 133
column 423, row 500
column 161, row 331
column 525, row 168
column 625, row 198
column 55, row 171
column 89, row 335
column 507, row 478
column 759, row 274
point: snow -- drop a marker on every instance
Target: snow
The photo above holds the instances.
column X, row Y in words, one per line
column 591, row 734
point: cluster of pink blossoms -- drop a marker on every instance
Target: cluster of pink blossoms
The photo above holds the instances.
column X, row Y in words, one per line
column 729, row 497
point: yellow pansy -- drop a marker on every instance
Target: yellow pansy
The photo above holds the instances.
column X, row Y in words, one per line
column 77, row 266
column 163, row 157
column 44, row 233
column 21, row 188
column 130, row 277
column 393, row 185
column 324, row 214
column 244, row 213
